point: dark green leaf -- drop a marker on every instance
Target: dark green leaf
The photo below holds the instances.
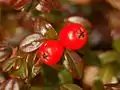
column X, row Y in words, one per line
column 44, row 88
column 106, row 74
column 70, row 87
column 65, row 76
column 109, row 57
column 98, row 85
column 116, row 69
column 36, row 88
column 18, row 64
column 55, row 16
column 116, row 44
column 22, row 72
column 30, row 6
column 2, row 78
column 5, row 52
column 73, row 63
column 45, row 28
column 90, row 57
column 27, row 7
column 86, row 9
column 35, row 70
column 9, row 64
column 50, row 75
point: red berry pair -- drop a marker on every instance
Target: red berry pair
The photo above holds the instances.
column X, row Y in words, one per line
column 72, row 36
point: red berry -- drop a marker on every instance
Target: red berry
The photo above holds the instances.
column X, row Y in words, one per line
column 50, row 52
column 73, row 36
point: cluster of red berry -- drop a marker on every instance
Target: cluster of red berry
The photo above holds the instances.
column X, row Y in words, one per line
column 72, row 36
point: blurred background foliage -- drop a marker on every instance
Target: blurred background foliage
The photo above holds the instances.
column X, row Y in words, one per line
column 94, row 67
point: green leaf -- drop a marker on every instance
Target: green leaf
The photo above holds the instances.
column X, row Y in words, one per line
column 18, row 64
column 45, row 28
column 116, row 44
column 116, row 67
column 30, row 6
column 22, row 72
column 70, row 87
column 36, row 88
column 34, row 65
column 35, row 70
column 73, row 63
column 106, row 74
column 109, row 57
column 27, row 7
column 55, row 16
column 65, row 76
column 86, row 9
column 49, row 75
column 2, row 78
column 98, row 85
column 90, row 57
column 8, row 64
column 44, row 88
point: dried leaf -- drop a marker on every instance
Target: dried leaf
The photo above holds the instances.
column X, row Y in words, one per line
column 90, row 75
column 113, row 17
column 114, row 3
column 112, row 86
column 31, row 42
column 26, row 20
column 73, row 63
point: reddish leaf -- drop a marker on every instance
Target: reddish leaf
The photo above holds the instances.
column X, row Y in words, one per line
column 31, row 42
